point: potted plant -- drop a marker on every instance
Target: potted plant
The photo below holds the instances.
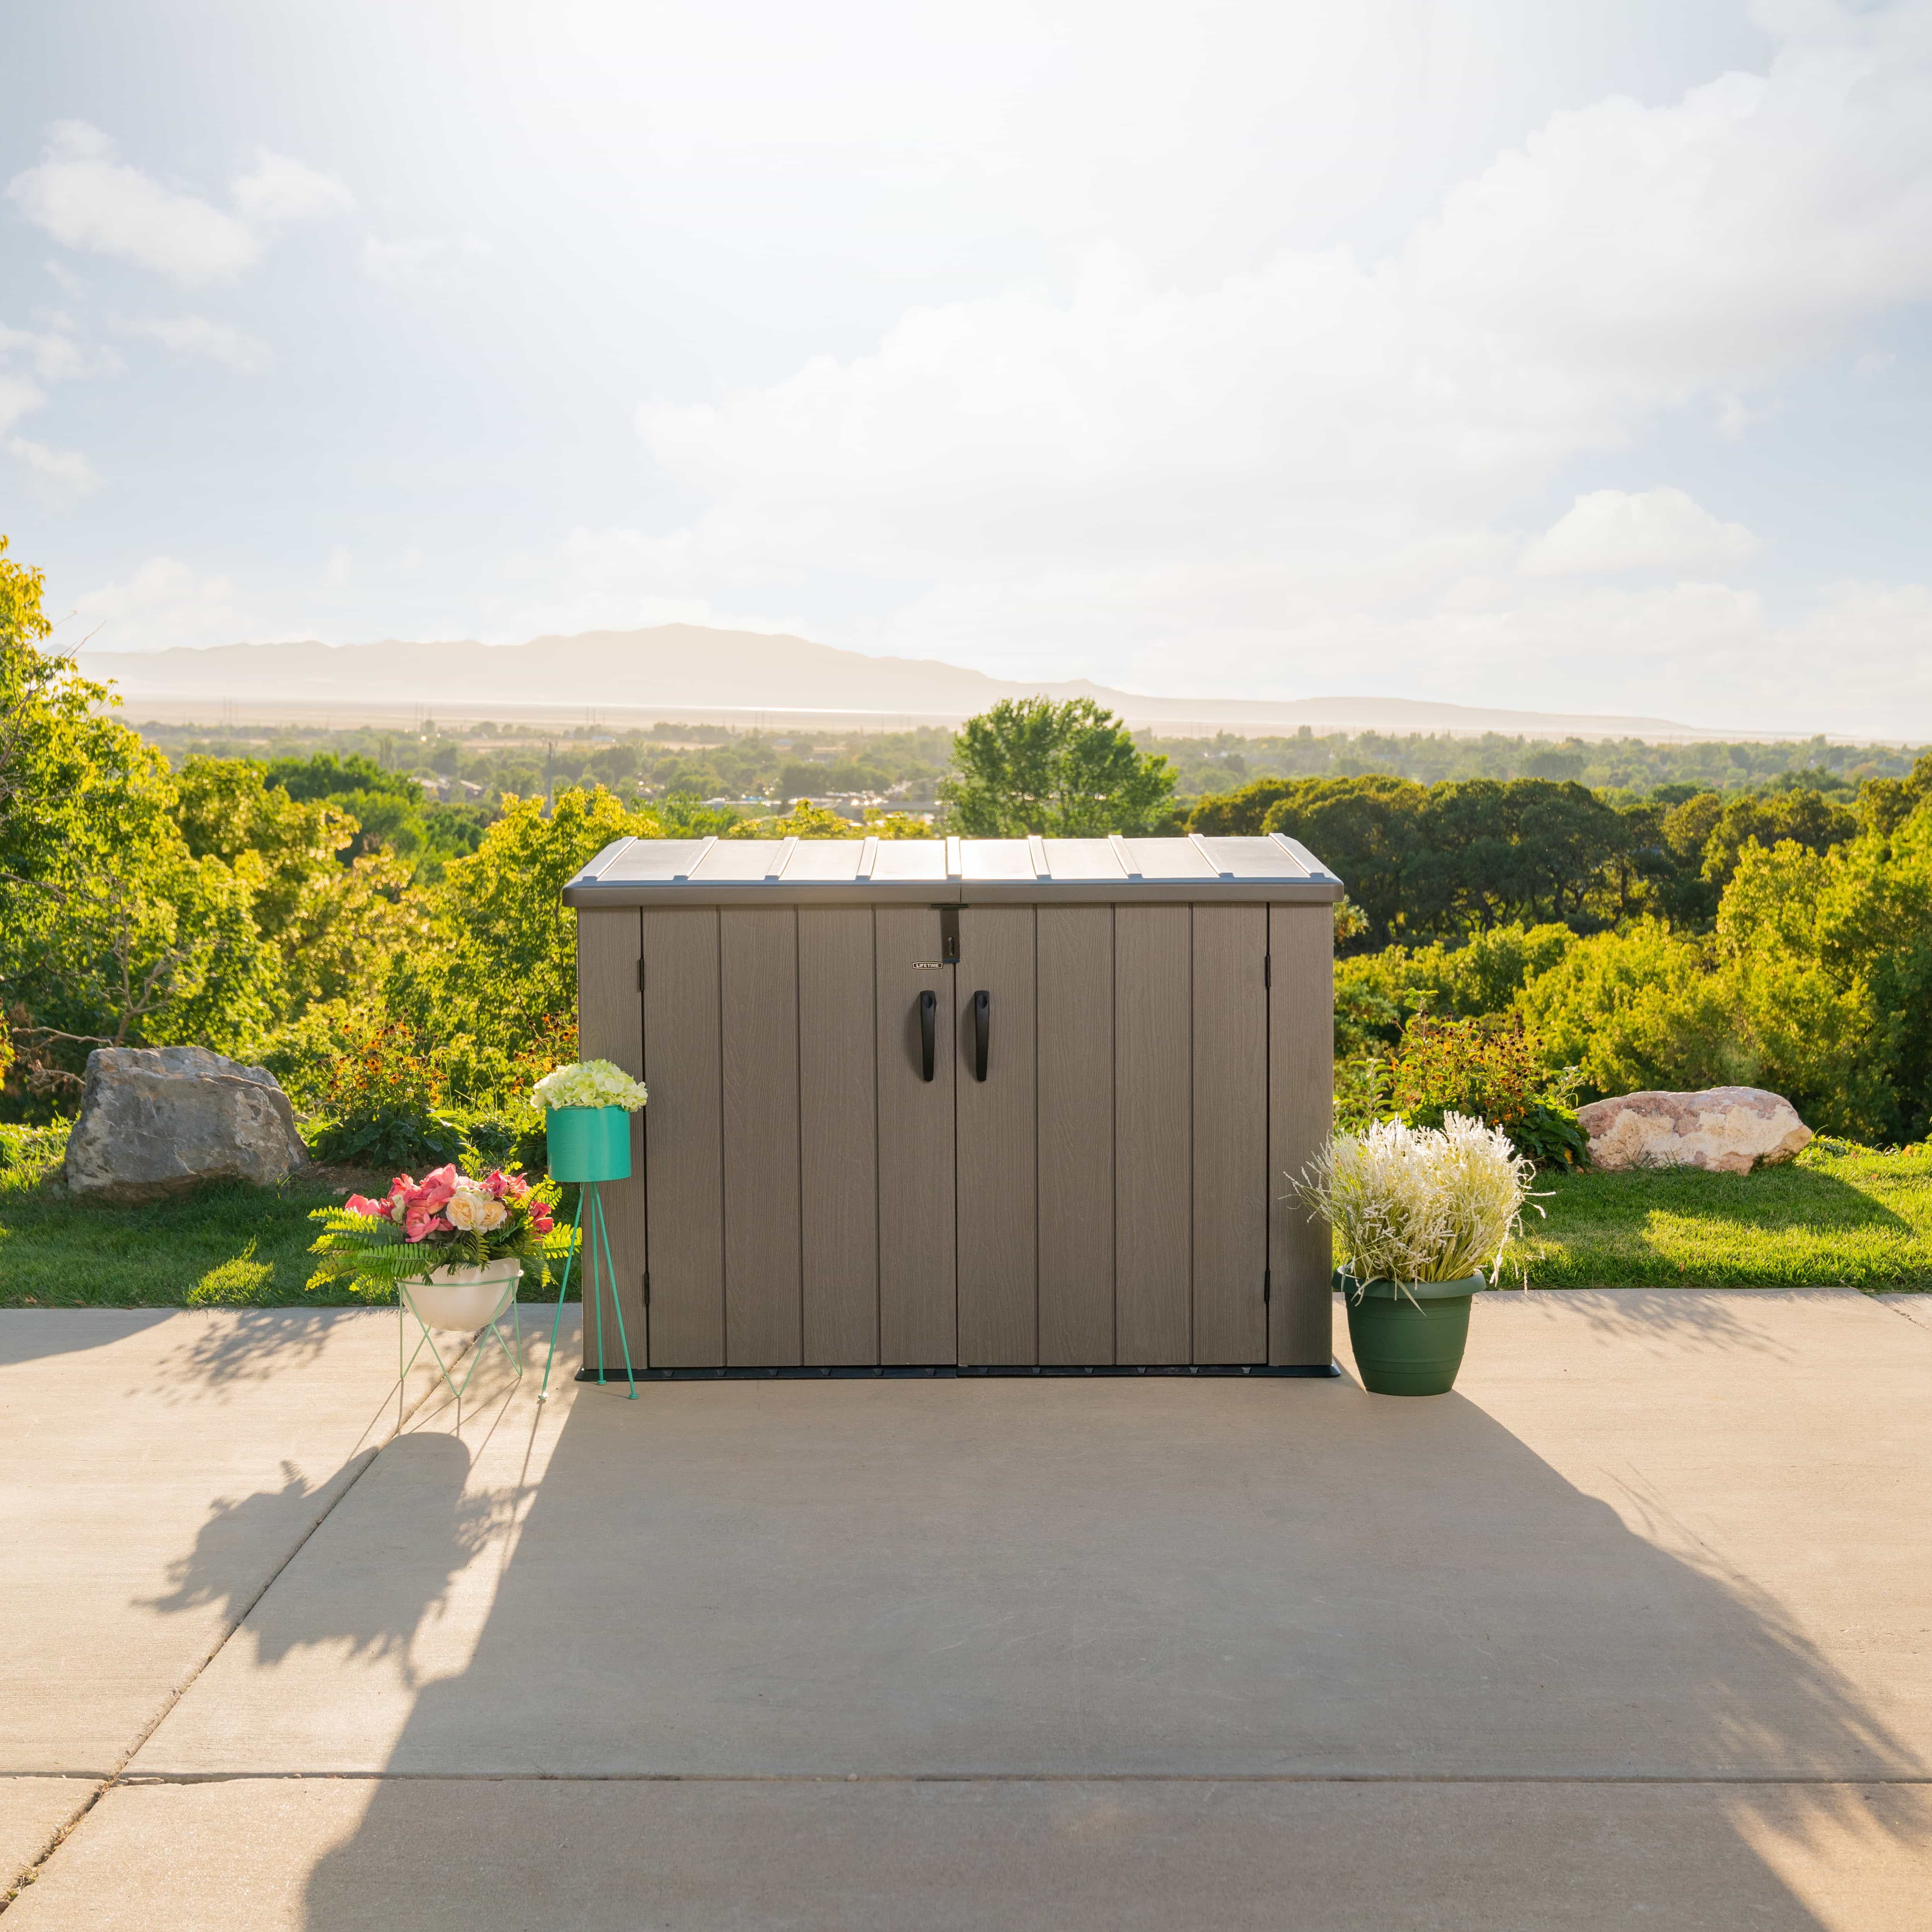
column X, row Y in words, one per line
column 453, row 1247
column 1417, row 1213
column 587, row 1107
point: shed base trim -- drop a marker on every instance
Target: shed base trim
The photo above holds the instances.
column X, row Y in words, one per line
column 1305, row 1371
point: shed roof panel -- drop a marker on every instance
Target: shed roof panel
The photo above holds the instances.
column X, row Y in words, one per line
column 1079, row 859
column 911, row 859
column 695, row 871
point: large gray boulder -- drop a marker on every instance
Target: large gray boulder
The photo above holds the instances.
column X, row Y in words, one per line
column 1724, row 1129
column 158, row 1121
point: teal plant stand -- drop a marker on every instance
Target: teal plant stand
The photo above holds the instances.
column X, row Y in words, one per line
column 589, row 1145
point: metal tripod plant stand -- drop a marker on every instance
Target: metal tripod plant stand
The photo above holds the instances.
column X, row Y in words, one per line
column 589, row 1145
column 513, row 1352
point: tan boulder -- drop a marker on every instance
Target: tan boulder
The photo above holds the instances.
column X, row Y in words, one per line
column 1725, row 1129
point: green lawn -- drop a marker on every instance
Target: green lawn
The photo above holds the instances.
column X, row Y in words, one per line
column 1837, row 1216
column 229, row 1243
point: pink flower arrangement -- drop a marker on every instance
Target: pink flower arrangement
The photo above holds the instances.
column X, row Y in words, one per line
column 446, row 1219
column 445, row 1200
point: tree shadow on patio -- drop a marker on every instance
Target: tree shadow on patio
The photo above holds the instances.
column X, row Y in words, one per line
column 789, row 1583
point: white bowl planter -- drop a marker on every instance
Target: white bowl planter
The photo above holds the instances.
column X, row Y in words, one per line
column 464, row 1297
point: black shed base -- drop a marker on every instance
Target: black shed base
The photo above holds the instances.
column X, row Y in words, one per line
column 1303, row 1371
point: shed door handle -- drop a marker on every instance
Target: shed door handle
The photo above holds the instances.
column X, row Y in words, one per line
column 982, row 1026
column 928, row 1031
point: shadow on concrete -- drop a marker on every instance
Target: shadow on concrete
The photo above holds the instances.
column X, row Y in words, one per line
column 1006, row 1580
column 240, row 1346
column 376, row 1610
column 33, row 1334
column 1670, row 1319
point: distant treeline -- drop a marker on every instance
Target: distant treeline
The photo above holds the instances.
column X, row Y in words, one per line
column 718, row 760
column 1627, row 765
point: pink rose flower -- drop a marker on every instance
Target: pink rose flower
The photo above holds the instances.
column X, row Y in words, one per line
column 422, row 1221
column 437, row 1187
column 360, row 1204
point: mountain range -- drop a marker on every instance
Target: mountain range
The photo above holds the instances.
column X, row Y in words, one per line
column 687, row 671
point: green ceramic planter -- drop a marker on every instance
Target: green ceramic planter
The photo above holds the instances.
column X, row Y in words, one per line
column 589, row 1143
column 1406, row 1346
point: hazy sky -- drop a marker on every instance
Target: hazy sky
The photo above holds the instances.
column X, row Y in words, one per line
column 1548, row 352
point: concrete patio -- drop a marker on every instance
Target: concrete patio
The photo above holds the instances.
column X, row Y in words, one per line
column 1634, row 1628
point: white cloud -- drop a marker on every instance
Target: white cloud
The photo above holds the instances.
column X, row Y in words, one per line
column 18, row 396
column 196, row 335
column 55, row 356
column 85, row 198
column 1661, row 529
column 64, row 474
column 281, row 190
column 164, row 603
column 1244, row 485
column 340, row 567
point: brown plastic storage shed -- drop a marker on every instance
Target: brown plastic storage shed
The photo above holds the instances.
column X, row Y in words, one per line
column 989, row 1104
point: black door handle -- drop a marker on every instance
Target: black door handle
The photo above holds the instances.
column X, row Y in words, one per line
column 982, row 1025
column 928, row 1031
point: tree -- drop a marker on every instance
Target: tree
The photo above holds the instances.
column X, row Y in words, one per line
column 1068, row 770
column 1368, row 831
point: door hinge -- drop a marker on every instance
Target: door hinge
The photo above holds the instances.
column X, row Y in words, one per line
column 647, row 1288
column 1267, row 970
column 640, row 975
column 1268, row 1286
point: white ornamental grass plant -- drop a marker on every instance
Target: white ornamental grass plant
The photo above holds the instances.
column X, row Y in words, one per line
column 1420, row 1203
column 589, row 1083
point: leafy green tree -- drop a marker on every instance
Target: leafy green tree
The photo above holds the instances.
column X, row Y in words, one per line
column 1369, row 831
column 1065, row 770
column 499, row 970
column 1806, row 818
column 1241, row 814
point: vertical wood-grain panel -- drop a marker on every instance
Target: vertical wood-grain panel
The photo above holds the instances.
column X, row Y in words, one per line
column 758, row 1002
column 684, row 1139
column 999, row 1272
column 838, row 1055
column 610, row 1026
column 1075, row 1026
column 1230, row 1133
column 1153, row 1133
column 918, row 1306
column 1301, row 1094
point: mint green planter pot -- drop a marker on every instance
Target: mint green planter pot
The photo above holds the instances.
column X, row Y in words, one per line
column 1405, row 1346
column 589, row 1143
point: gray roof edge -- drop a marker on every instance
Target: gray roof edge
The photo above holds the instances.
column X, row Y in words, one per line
column 588, row 895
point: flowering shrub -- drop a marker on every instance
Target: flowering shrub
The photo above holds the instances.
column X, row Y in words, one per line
column 384, row 1102
column 445, row 1220
column 589, row 1083
column 1491, row 1072
column 1420, row 1203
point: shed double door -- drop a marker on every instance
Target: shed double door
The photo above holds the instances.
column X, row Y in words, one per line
column 1090, row 1187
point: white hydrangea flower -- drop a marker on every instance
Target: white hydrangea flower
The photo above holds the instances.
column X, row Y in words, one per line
column 589, row 1083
